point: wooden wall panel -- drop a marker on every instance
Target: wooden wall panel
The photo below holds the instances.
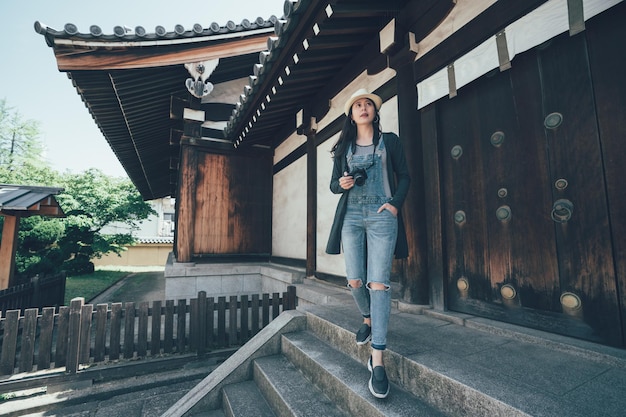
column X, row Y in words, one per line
column 233, row 205
column 607, row 71
column 585, row 252
column 541, row 258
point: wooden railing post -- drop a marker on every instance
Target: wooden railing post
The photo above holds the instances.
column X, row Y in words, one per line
column 201, row 329
column 9, row 342
column 73, row 347
column 291, row 298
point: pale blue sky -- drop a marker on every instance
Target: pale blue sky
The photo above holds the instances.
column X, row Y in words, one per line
column 32, row 84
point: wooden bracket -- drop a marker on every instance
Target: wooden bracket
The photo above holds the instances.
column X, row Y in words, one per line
column 503, row 51
column 576, row 15
column 451, row 81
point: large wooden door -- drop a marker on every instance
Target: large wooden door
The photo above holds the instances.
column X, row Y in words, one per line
column 528, row 195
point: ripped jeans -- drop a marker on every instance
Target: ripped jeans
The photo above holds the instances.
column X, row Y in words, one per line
column 369, row 240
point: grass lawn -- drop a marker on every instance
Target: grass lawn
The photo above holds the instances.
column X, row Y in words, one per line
column 88, row 286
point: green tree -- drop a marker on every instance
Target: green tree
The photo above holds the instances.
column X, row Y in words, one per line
column 91, row 200
column 21, row 150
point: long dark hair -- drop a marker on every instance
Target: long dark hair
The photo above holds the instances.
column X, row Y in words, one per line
column 348, row 135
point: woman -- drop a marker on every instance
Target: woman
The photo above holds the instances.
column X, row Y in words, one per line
column 370, row 173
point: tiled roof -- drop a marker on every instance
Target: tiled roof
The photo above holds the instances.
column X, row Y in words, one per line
column 27, row 200
column 130, row 82
column 140, row 34
column 315, row 48
column 156, row 239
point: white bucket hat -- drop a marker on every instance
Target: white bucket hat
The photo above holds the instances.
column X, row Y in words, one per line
column 359, row 94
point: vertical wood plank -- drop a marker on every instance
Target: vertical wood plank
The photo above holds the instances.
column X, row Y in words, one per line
column 181, row 325
column 266, row 310
column 155, row 337
column 29, row 329
column 129, row 330
column 9, row 341
column 142, row 333
column 46, row 329
column 434, row 208
column 603, row 33
column 584, row 250
column 202, row 322
column 73, row 348
column 99, row 347
column 210, row 322
column 186, row 204
column 244, row 328
column 232, row 321
column 193, row 324
column 275, row 305
column 255, row 314
column 221, row 321
column 85, row 334
column 293, row 297
column 63, row 325
column 115, row 333
column 168, row 331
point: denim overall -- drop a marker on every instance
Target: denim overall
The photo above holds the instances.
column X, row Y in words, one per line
column 366, row 232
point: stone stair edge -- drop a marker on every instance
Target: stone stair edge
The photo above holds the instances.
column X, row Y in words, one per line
column 238, row 367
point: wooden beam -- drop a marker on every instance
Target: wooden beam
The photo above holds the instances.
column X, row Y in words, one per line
column 488, row 23
column 72, row 58
column 8, row 247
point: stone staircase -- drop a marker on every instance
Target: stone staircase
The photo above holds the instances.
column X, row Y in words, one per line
column 439, row 365
column 306, row 363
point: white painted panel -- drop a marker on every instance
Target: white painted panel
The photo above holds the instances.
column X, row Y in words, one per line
column 288, row 146
column 326, row 205
column 289, row 211
column 483, row 59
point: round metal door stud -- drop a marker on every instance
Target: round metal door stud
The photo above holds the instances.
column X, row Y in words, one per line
column 462, row 284
column 561, row 184
column 503, row 192
column 456, row 151
column 553, row 120
column 562, row 210
column 459, row 217
column 503, row 213
column 497, row 138
column 571, row 301
column 508, row 292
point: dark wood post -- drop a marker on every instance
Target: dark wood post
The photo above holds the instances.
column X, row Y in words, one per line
column 307, row 126
column 414, row 280
column 7, row 250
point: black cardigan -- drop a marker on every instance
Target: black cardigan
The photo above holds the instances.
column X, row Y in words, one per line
column 396, row 164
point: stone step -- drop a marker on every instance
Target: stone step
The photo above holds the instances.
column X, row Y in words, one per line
column 345, row 380
column 462, row 371
column 245, row 399
column 289, row 392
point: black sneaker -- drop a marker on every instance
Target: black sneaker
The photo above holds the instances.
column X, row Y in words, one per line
column 378, row 384
column 364, row 334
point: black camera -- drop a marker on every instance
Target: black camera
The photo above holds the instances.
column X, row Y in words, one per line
column 359, row 175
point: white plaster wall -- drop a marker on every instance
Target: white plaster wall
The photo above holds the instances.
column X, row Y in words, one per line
column 326, row 205
column 289, row 211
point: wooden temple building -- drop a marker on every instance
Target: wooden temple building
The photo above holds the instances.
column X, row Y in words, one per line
column 511, row 114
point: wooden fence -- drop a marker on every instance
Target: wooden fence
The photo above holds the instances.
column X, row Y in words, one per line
column 42, row 291
column 81, row 335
